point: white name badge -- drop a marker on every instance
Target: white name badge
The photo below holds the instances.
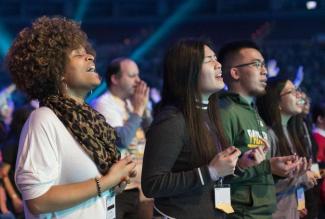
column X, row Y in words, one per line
column 315, row 169
column 222, row 199
column 301, row 198
column 111, row 213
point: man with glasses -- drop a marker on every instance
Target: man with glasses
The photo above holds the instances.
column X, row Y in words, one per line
column 244, row 72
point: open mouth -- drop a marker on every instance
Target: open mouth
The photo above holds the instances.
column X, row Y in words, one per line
column 91, row 69
column 219, row 75
column 301, row 102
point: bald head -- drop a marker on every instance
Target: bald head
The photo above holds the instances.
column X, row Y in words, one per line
column 128, row 65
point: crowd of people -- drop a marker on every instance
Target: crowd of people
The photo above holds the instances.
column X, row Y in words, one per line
column 253, row 150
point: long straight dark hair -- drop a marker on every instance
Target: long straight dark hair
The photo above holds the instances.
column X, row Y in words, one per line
column 182, row 66
column 214, row 115
column 268, row 107
column 297, row 131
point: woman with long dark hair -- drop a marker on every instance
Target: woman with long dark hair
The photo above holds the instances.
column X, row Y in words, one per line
column 279, row 108
column 67, row 160
column 185, row 154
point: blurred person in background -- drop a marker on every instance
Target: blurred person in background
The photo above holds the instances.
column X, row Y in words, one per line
column 305, row 118
column 124, row 106
column 6, row 109
column 318, row 114
column 9, row 152
column 319, row 131
column 4, row 211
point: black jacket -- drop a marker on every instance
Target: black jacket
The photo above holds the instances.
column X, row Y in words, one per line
column 181, row 186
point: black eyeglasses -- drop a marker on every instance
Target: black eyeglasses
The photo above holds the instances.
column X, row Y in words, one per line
column 257, row 64
column 293, row 91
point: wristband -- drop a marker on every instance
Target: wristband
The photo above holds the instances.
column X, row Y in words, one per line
column 99, row 188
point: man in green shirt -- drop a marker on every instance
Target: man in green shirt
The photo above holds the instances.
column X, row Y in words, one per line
column 245, row 73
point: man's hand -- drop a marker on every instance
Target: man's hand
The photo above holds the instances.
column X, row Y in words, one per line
column 251, row 158
column 140, row 98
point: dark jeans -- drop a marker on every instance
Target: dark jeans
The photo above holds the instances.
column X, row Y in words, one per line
column 127, row 204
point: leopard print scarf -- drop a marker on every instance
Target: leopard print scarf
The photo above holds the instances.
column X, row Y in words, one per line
column 88, row 127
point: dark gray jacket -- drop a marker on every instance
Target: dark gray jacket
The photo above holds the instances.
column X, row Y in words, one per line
column 181, row 186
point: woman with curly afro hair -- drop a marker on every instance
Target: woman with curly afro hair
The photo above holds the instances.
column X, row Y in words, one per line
column 67, row 164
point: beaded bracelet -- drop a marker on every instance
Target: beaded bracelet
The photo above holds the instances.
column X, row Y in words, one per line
column 99, row 189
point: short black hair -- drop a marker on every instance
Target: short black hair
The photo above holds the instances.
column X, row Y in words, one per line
column 229, row 51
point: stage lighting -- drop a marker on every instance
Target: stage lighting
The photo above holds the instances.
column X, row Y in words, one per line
column 311, row 5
